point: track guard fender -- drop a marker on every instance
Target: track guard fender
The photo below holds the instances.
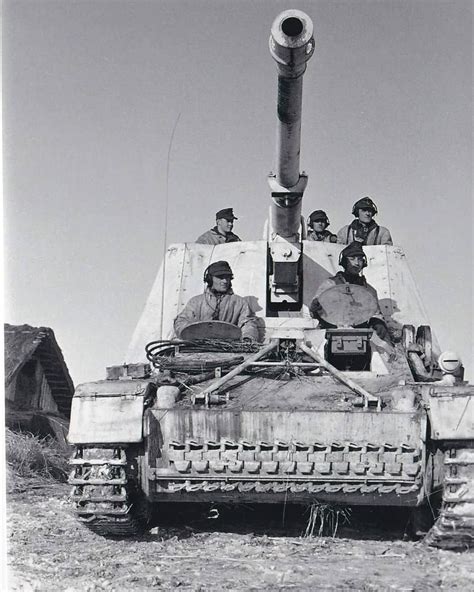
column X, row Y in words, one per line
column 109, row 411
column 450, row 410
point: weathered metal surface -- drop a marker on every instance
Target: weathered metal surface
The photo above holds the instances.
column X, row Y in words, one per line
column 388, row 273
column 108, row 411
column 211, row 330
column 347, row 305
column 245, row 454
column 341, row 377
column 307, row 391
column 451, row 411
column 127, row 371
column 237, row 370
column 255, row 425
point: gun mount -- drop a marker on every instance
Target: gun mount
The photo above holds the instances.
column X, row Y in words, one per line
column 291, row 46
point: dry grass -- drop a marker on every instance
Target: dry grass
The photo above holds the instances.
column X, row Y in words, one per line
column 29, row 456
column 324, row 519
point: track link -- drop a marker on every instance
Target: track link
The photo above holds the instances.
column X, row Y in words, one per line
column 105, row 493
column 454, row 528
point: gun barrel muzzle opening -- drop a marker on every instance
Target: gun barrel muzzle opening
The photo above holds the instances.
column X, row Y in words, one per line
column 292, row 26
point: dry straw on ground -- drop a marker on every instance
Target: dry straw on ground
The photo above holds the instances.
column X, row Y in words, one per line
column 30, row 457
column 324, row 519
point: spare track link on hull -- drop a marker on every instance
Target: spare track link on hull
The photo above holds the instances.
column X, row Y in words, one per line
column 105, row 494
column 454, row 528
column 288, row 487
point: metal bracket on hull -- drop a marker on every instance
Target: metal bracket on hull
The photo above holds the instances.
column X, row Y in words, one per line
column 209, row 396
column 204, row 396
column 368, row 398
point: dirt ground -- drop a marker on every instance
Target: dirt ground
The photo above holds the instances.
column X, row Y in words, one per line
column 247, row 550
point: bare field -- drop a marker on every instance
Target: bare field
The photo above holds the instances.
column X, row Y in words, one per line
column 48, row 550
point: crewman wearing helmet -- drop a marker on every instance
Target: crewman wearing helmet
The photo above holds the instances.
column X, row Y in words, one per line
column 364, row 229
column 218, row 303
column 317, row 228
column 353, row 260
column 222, row 232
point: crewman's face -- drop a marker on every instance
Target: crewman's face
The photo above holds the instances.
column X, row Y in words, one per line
column 354, row 264
column 224, row 226
column 366, row 215
column 319, row 225
column 221, row 283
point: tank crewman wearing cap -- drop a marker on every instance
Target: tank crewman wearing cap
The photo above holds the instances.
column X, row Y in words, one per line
column 364, row 229
column 218, row 303
column 222, row 231
column 353, row 260
column 317, row 225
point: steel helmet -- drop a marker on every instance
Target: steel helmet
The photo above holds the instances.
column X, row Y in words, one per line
column 364, row 203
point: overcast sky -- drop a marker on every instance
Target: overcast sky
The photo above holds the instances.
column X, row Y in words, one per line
column 93, row 89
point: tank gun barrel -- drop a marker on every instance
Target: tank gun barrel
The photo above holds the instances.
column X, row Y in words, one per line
column 291, row 46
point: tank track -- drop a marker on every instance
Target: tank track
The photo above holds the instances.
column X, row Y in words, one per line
column 454, row 528
column 105, row 493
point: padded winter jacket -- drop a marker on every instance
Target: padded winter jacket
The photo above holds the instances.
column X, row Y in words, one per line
column 328, row 237
column 378, row 235
column 213, row 237
column 211, row 306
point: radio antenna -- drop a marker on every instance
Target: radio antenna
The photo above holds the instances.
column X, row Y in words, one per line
column 165, row 235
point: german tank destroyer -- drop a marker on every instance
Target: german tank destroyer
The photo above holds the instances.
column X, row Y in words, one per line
column 307, row 413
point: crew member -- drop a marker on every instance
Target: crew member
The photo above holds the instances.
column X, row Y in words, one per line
column 317, row 225
column 222, row 231
column 218, row 303
column 353, row 260
column 364, row 229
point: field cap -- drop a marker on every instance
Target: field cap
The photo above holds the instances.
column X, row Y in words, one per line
column 318, row 215
column 227, row 213
column 219, row 268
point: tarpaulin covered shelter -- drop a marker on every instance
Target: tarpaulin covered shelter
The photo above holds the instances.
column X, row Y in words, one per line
column 38, row 387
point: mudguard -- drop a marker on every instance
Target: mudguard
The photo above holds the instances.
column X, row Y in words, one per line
column 109, row 411
column 451, row 411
